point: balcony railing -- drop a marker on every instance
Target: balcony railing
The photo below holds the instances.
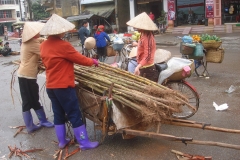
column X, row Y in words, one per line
column 2, row 2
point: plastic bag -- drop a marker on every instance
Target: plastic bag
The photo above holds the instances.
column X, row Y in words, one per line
column 187, row 39
column 175, row 64
column 198, row 52
column 118, row 40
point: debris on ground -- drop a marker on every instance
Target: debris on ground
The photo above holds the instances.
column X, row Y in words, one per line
column 65, row 152
column 185, row 156
column 20, row 128
column 14, row 151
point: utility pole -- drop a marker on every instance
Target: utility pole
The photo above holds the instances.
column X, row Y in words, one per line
column 20, row 7
column 116, row 15
column 54, row 6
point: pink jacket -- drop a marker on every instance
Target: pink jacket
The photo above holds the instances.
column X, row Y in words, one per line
column 146, row 49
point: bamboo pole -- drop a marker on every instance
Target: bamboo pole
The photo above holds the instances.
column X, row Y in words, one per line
column 201, row 126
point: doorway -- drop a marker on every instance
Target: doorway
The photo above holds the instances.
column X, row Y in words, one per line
column 190, row 12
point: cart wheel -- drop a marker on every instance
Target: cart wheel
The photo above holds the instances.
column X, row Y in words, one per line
column 189, row 91
column 201, row 67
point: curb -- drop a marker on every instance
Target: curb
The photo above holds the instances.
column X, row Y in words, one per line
column 167, row 43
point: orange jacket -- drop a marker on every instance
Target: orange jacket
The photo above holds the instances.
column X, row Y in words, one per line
column 146, row 49
column 58, row 57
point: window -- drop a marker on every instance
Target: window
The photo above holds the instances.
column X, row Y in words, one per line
column 74, row 2
column 7, row 1
column 5, row 14
column 58, row 4
column 18, row 14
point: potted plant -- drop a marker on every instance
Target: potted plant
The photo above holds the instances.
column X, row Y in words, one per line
column 162, row 21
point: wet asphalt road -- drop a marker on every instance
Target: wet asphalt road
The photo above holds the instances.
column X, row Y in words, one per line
column 222, row 76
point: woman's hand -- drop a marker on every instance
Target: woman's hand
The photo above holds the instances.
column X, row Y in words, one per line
column 134, row 44
column 137, row 69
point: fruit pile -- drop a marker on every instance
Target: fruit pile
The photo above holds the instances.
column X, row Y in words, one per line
column 209, row 38
column 136, row 36
column 196, row 38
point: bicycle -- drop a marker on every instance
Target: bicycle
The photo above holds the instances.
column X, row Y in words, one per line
column 178, row 85
column 200, row 63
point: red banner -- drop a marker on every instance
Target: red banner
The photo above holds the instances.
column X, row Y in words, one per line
column 171, row 10
column 209, row 9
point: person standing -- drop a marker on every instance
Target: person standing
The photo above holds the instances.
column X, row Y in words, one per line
column 27, row 76
column 101, row 43
column 58, row 57
column 151, row 15
column 146, row 46
column 83, row 33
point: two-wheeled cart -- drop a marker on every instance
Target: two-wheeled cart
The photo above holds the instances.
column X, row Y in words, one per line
column 109, row 117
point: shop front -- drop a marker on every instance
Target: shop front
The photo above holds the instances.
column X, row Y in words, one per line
column 190, row 12
column 153, row 6
column 230, row 11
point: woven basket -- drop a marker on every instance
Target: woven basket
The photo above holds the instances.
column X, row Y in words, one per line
column 178, row 75
column 215, row 56
column 211, row 45
column 187, row 50
column 110, row 51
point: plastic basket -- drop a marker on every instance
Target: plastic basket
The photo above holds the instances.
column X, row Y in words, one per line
column 118, row 47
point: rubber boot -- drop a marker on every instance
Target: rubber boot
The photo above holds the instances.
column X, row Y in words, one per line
column 42, row 118
column 28, row 120
column 82, row 138
column 61, row 135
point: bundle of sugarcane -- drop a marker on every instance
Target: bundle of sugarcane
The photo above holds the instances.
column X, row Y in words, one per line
column 154, row 101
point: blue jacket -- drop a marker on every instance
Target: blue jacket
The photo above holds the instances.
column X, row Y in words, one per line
column 101, row 39
column 83, row 33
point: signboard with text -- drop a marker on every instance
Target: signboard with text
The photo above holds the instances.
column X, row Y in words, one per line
column 171, row 10
column 209, row 9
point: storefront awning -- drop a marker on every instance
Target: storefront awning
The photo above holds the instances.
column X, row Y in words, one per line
column 82, row 17
column 103, row 10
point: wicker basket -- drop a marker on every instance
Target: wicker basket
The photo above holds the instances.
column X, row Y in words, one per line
column 110, row 51
column 187, row 50
column 211, row 45
column 178, row 75
column 215, row 56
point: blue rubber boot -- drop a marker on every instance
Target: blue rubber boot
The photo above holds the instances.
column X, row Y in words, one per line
column 82, row 138
column 28, row 120
column 42, row 118
column 61, row 135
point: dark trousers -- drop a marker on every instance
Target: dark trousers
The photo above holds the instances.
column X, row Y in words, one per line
column 150, row 73
column 29, row 91
column 65, row 102
column 102, row 53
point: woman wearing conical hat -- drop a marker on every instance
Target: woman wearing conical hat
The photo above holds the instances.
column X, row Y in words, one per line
column 146, row 46
column 27, row 76
column 59, row 56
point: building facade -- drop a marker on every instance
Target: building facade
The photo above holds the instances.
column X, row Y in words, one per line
column 9, row 14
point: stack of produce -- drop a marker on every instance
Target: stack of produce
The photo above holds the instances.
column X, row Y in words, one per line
column 152, row 100
column 155, row 102
column 215, row 52
column 136, row 36
column 196, row 38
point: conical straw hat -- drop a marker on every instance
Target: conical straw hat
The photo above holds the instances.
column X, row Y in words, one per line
column 142, row 21
column 31, row 29
column 56, row 25
column 160, row 56
column 90, row 43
